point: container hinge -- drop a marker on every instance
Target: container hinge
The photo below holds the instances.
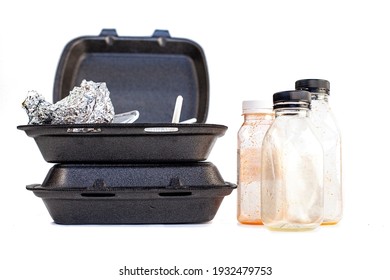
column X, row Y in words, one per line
column 159, row 33
column 162, row 36
column 108, row 33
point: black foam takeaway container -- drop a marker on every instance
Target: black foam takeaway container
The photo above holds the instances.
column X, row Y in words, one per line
column 142, row 73
column 151, row 171
column 132, row 193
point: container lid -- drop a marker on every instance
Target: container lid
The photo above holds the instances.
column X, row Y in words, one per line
column 292, row 98
column 142, row 73
column 256, row 106
column 313, row 85
column 132, row 176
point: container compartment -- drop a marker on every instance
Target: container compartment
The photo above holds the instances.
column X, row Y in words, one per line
column 118, row 143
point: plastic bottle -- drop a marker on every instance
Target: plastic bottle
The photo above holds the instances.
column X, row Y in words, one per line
column 258, row 116
column 292, row 166
column 328, row 132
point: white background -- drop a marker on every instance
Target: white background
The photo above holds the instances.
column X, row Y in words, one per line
column 253, row 49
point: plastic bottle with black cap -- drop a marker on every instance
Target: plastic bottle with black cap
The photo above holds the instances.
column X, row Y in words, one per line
column 327, row 130
column 292, row 166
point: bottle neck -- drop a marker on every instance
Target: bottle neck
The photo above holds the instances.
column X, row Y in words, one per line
column 292, row 112
column 320, row 96
column 258, row 116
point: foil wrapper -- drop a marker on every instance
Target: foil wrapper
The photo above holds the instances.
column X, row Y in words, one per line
column 89, row 103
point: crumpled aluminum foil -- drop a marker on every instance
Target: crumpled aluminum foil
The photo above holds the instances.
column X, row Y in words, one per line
column 89, row 103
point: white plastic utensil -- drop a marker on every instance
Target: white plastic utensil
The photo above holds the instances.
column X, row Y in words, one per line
column 177, row 111
column 128, row 117
column 193, row 120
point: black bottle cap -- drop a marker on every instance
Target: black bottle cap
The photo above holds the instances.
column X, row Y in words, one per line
column 313, row 85
column 292, row 99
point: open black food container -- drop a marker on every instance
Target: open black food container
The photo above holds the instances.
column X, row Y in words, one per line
column 151, row 171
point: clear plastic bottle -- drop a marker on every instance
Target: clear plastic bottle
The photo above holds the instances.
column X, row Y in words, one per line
column 328, row 132
column 258, row 116
column 292, row 166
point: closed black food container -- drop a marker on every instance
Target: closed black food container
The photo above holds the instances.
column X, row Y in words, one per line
column 148, row 172
column 132, row 193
